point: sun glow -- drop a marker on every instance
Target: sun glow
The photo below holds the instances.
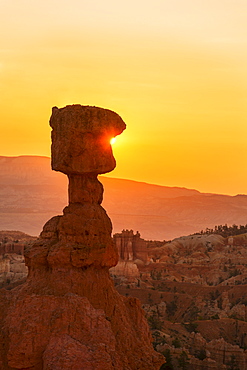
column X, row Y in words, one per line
column 175, row 72
column 113, row 140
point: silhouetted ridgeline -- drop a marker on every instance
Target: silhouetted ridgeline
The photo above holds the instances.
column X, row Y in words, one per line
column 225, row 230
column 31, row 193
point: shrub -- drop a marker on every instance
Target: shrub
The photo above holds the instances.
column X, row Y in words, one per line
column 176, row 343
column 171, row 308
column 191, row 327
column 154, row 322
column 183, row 361
column 168, row 365
column 201, row 354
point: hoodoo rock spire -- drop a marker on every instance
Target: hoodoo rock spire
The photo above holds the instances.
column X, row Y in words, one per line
column 68, row 315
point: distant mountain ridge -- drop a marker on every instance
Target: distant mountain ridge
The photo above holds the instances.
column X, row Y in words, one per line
column 31, row 193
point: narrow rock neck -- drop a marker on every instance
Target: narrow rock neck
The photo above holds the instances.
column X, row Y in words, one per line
column 85, row 189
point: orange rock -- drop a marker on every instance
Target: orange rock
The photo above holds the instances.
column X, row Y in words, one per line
column 81, row 139
column 68, row 315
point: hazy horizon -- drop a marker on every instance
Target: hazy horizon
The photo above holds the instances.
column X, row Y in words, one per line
column 109, row 175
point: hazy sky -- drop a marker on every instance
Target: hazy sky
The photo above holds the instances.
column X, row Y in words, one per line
column 175, row 71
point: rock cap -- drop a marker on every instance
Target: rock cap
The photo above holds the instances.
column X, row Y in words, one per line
column 81, row 137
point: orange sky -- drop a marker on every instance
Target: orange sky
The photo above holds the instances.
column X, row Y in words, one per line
column 175, row 71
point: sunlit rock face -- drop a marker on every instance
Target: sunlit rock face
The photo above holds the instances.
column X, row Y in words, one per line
column 68, row 311
column 81, row 138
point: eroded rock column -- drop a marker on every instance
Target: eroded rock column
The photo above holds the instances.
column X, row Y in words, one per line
column 81, row 149
column 68, row 313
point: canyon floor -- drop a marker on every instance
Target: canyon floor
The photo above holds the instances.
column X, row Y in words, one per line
column 194, row 293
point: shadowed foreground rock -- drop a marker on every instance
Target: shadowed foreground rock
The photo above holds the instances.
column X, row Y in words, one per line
column 67, row 315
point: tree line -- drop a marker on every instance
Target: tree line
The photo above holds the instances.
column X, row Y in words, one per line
column 225, row 230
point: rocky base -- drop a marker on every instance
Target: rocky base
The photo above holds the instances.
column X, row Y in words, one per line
column 68, row 312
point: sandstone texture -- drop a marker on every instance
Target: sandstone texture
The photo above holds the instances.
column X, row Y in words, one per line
column 81, row 139
column 12, row 268
column 194, row 293
column 12, row 264
column 196, row 282
column 68, row 315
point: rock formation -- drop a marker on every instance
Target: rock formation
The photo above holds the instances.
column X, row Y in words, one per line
column 68, row 315
column 195, row 297
column 132, row 251
column 131, row 246
column 12, row 268
column 12, row 264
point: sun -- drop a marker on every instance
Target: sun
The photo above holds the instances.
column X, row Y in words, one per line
column 113, row 140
